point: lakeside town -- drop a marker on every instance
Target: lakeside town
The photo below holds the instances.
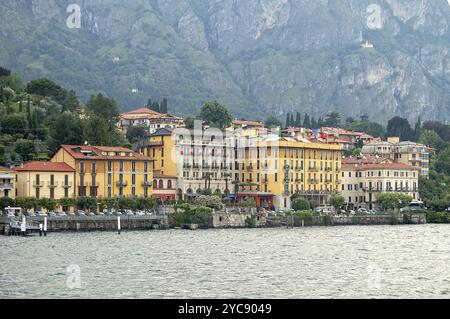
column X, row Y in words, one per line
column 210, row 162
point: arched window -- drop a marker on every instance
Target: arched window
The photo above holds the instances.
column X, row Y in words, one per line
column 169, row 184
column 161, row 184
column 155, row 184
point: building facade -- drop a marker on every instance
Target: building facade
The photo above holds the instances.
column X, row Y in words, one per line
column 45, row 180
column 107, row 171
column 199, row 162
column 150, row 119
column 273, row 169
column 7, row 182
column 408, row 153
column 364, row 178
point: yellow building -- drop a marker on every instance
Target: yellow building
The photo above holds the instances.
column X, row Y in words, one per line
column 198, row 159
column 273, row 169
column 102, row 171
column 45, row 180
column 7, row 182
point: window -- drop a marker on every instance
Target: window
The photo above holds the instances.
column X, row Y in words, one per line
column 109, row 166
column 169, row 184
column 155, row 184
column 161, row 184
column 133, row 166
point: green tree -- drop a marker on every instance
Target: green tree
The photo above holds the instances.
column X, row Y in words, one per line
column 65, row 129
column 44, row 87
column 306, row 121
column 189, row 122
column 443, row 162
column 103, row 107
column 400, row 127
column 393, row 200
column 300, row 204
column 136, row 134
column 288, row 121
column 333, row 119
column 14, row 124
column 298, row 120
column 71, row 102
column 164, row 106
column 67, row 203
column 216, row 115
column 272, row 122
column 432, row 139
column 48, row 204
column 101, row 132
column 336, row 200
column 25, row 148
column 6, row 202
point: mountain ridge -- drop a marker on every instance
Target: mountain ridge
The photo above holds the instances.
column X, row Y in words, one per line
column 259, row 57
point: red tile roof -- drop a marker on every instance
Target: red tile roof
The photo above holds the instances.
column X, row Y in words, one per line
column 44, row 167
column 5, row 169
column 88, row 152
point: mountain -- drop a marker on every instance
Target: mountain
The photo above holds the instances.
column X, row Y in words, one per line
column 259, row 57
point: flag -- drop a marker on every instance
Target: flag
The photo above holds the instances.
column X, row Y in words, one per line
column 315, row 132
column 324, row 136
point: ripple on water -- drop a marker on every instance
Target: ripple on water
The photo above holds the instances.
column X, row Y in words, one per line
column 347, row 262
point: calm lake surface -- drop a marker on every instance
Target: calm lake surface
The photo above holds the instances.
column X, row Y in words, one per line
column 320, row 262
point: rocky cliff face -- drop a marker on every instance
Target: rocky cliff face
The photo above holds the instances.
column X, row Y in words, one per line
column 259, row 56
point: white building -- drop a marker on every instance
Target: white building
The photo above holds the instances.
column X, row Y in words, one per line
column 365, row 177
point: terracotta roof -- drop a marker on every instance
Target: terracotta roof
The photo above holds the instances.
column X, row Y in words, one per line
column 248, row 123
column 88, row 152
column 378, row 166
column 145, row 113
column 342, row 131
column 5, row 169
column 44, row 167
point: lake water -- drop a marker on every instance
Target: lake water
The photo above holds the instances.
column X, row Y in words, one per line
column 319, row 262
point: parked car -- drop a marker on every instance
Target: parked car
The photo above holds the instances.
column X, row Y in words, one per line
column 140, row 213
column 40, row 214
column 71, row 214
column 30, row 214
column 91, row 214
column 118, row 214
column 100, row 214
column 52, row 214
column 81, row 213
column 362, row 211
column 61, row 214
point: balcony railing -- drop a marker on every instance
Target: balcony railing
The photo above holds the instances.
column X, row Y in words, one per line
column 67, row 185
column 38, row 184
column 313, row 181
column 52, row 185
column 313, row 169
column 147, row 184
column 122, row 184
column 6, row 186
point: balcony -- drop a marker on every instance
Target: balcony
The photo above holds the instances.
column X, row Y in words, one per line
column 187, row 166
column 250, row 168
column 328, row 169
column 122, row 184
column 313, row 181
column 52, row 185
column 68, row 185
column 38, row 184
column 147, row 184
column 313, row 169
column 6, row 186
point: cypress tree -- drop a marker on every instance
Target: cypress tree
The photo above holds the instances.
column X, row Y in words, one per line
column 306, row 121
column 313, row 123
column 20, row 106
column 292, row 121
column 288, row 120
column 164, row 106
column 298, row 120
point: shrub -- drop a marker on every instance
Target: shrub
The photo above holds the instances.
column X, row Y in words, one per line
column 438, row 218
column 209, row 201
column 250, row 222
column 300, row 204
column 306, row 216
